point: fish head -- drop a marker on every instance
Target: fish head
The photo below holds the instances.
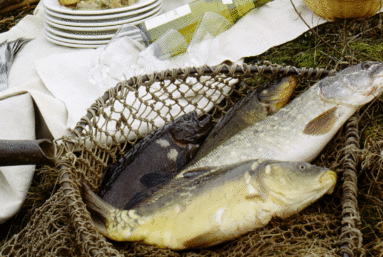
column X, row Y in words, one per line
column 295, row 185
column 189, row 129
column 276, row 94
column 355, row 86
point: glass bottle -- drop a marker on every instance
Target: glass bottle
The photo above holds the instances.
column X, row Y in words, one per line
column 185, row 19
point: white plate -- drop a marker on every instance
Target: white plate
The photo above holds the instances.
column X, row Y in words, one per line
column 76, row 41
column 70, row 45
column 96, row 29
column 102, row 17
column 103, row 23
column 55, row 6
column 74, row 45
column 65, row 32
column 85, row 35
column 79, row 41
column 81, row 36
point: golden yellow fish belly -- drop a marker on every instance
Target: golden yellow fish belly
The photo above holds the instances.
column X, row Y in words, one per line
column 208, row 220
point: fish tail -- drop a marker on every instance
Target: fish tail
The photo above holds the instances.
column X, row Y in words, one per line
column 277, row 93
column 100, row 211
column 111, row 222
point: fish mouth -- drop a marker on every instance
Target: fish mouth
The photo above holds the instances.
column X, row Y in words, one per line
column 377, row 74
column 328, row 179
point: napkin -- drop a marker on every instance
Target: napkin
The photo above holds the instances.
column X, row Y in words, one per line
column 17, row 108
column 15, row 125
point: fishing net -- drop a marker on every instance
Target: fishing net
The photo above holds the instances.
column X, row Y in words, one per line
column 62, row 226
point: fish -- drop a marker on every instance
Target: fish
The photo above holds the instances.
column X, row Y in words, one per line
column 300, row 130
column 214, row 204
column 147, row 179
column 154, row 160
column 255, row 107
column 8, row 52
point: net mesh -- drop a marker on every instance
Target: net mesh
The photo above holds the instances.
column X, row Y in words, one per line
column 116, row 121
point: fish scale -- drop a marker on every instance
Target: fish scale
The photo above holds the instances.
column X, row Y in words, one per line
column 262, row 102
column 212, row 202
column 214, row 205
column 298, row 132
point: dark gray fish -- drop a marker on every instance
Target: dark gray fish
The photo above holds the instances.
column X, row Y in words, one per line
column 8, row 52
column 153, row 161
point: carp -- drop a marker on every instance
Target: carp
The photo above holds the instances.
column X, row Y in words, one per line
column 134, row 178
column 212, row 205
column 300, row 130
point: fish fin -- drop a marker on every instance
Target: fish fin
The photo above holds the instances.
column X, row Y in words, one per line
column 153, row 179
column 191, row 174
column 203, row 240
column 254, row 195
column 259, row 196
column 140, row 198
column 187, row 178
column 322, row 124
column 99, row 209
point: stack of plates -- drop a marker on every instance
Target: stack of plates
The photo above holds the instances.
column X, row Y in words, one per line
column 93, row 28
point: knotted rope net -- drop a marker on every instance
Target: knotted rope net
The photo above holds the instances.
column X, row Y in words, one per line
column 62, row 226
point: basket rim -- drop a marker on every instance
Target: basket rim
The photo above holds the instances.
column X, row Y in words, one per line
column 245, row 69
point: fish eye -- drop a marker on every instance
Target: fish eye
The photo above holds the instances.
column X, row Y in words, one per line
column 365, row 65
column 302, row 167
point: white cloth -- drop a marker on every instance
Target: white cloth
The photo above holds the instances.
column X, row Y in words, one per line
column 60, row 75
column 15, row 180
column 262, row 31
column 63, row 82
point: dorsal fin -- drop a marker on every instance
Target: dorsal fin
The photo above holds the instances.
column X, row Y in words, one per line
column 322, row 124
column 183, row 181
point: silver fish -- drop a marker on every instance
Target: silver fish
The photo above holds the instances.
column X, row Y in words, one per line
column 208, row 207
column 300, row 130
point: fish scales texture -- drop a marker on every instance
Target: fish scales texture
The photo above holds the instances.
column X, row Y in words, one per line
column 272, row 138
column 153, row 161
column 300, row 130
column 115, row 188
column 216, row 204
column 255, row 107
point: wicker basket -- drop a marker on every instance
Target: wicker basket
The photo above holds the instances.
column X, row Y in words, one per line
column 344, row 9
column 63, row 226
